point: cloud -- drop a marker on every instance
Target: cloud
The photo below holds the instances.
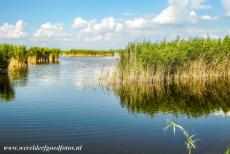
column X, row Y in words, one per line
column 136, row 23
column 174, row 13
column 93, row 38
column 93, row 26
column 199, row 4
column 107, row 24
column 207, row 17
column 97, row 30
column 8, row 31
column 193, row 17
column 79, row 22
column 226, row 4
column 182, row 11
column 50, row 31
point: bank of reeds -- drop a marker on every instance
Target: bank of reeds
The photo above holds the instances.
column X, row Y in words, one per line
column 12, row 58
column 38, row 55
column 174, row 61
column 16, row 58
column 94, row 53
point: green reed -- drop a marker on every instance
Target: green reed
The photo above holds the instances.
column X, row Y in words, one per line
column 175, row 61
column 190, row 139
column 12, row 57
column 90, row 52
column 39, row 55
column 227, row 151
column 17, row 57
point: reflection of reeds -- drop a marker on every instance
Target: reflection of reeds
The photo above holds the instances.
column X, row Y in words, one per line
column 9, row 81
column 193, row 99
column 6, row 88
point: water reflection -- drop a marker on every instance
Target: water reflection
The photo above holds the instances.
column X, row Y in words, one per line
column 9, row 81
column 6, row 89
column 190, row 99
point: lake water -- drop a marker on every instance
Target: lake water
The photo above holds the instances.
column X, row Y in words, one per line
column 63, row 104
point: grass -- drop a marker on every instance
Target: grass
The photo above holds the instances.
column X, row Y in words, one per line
column 90, row 52
column 190, row 139
column 174, row 61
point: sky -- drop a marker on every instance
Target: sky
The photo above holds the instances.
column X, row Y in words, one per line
column 109, row 24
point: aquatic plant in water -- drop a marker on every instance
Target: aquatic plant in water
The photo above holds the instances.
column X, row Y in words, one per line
column 227, row 151
column 190, row 138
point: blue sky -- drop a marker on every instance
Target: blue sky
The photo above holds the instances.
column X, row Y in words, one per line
column 109, row 23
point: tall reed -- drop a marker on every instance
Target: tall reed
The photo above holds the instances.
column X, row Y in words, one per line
column 38, row 55
column 174, row 61
column 85, row 52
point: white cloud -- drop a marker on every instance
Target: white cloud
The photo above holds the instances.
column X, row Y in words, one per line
column 79, row 23
column 136, row 23
column 182, row 11
column 93, row 38
column 174, row 13
column 207, row 17
column 226, row 4
column 199, row 4
column 50, row 31
column 107, row 24
column 193, row 17
column 8, row 31
column 119, row 27
column 97, row 30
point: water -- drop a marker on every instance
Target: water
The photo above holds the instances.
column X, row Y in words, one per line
column 63, row 104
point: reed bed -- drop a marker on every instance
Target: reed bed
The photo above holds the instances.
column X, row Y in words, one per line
column 174, row 61
column 94, row 53
column 38, row 55
column 12, row 57
column 17, row 58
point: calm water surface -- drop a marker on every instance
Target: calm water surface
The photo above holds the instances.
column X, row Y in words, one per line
column 63, row 104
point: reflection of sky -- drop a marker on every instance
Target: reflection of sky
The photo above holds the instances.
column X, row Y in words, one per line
column 222, row 113
column 88, row 76
column 47, row 76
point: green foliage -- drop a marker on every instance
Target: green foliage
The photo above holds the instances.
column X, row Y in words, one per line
column 6, row 52
column 173, row 56
column 21, row 54
column 85, row 52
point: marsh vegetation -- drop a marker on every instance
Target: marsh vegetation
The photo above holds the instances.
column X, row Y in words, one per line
column 174, row 61
column 17, row 58
column 90, row 52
